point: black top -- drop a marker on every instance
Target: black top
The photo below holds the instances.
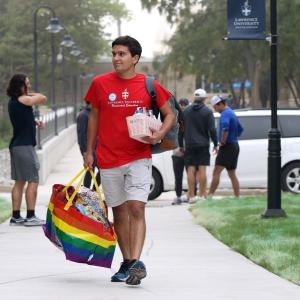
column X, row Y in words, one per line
column 199, row 126
column 22, row 120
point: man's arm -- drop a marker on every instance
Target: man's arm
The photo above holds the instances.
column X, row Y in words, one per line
column 33, row 99
column 91, row 137
column 224, row 137
column 212, row 130
column 169, row 119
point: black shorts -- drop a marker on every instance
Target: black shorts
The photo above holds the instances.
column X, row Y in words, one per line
column 197, row 156
column 228, row 156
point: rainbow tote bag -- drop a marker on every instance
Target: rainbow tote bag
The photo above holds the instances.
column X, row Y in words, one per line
column 83, row 239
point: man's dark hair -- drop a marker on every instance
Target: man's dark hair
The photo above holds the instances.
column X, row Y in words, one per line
column 133, row 45
column 184, row 101
column 222, row 102
column 16, row 85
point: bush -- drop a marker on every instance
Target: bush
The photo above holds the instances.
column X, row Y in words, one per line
column 5, row 131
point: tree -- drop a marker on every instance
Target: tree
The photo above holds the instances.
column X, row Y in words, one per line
column 83, row 19
column 197, row 46
column 289, row 47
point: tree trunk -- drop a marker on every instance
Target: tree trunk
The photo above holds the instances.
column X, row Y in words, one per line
column 253, row 71
column 255, row 99
column 235, row 102
column 293, row 88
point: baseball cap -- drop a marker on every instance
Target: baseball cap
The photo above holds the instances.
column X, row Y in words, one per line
column 216, row 99
column 200, row 93
column 184, row 101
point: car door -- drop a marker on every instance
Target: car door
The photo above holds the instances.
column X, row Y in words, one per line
column 253, row 158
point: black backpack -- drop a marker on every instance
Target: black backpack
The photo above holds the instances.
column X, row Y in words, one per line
column 170, row 141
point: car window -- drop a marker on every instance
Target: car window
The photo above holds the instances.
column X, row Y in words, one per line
column 289, row 126
column 255, row 127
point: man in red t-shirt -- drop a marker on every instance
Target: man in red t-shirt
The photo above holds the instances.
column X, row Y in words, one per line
column 125, row 164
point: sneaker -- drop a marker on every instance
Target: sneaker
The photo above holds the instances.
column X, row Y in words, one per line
column 137, row 272
column 34, row 221
column 122, row 274
column 16, row 221
column 210, row 197
column 184, row 199
column 177, row 201
column 193, row 200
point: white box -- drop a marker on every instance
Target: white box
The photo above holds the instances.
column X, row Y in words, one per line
column 141, row 125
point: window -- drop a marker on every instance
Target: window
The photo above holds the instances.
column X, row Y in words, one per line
column 289, row 126
column 255, row 127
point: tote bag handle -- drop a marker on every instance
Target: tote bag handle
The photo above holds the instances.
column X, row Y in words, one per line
column 82, row 174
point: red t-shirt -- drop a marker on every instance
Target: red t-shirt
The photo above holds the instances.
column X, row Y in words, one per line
column 117, row 98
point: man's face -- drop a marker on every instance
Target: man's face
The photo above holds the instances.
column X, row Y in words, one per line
column 218, row 107
column 122, row 59
column 183, row 106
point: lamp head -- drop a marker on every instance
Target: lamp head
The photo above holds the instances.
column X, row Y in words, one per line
column 67, row 41
column 54, row 26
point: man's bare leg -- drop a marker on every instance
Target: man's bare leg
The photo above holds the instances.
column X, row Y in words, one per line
column 137, row 227
column 121, row 225
column 16, row 194
column 31, row 194
column 191, row 177
column 216, row 179
column 235, row 182
column 202, row 181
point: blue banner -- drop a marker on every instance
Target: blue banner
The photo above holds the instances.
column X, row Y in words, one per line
column 246, row 19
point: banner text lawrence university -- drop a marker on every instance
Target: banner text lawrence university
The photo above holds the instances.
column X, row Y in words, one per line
column 246, row 19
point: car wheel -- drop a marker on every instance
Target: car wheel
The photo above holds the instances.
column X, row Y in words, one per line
column 156, row 187
column 290, row 178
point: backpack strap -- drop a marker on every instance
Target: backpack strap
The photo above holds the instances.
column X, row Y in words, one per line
column 149, row 81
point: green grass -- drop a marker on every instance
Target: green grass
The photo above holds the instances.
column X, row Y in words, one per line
column 272, row 243
column 5, row 210
column 4, row 143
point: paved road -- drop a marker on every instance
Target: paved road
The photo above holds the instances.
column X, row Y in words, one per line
column 184, row 261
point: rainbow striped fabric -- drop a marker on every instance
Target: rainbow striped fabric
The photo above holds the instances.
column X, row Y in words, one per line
column 82, row 239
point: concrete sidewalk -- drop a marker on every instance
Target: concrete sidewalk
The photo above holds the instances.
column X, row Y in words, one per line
column 182, row 258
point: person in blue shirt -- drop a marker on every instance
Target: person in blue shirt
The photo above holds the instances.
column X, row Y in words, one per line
column 228, row 150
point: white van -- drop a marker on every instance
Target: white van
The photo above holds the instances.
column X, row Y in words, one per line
column 253, row 158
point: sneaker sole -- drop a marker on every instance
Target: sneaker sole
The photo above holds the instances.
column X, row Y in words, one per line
column 16, row 224
column 32, row 225
column 135, row 276
column 118, row 280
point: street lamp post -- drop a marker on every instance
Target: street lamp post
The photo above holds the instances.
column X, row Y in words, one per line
column 68, row 43
column 274, row 148
column 53, row 90
column 82, row 60
column 54, row 27
column 61, row 59
column 75, row 96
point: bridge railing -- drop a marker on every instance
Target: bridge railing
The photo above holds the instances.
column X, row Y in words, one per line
column 64, row 118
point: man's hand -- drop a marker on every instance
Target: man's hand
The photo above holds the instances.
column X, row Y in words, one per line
column 40, row 124
column 88, row 160
column 215, row 150
column 155, row 138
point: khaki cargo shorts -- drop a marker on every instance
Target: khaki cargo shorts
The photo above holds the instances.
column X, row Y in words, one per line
column 128, row 182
